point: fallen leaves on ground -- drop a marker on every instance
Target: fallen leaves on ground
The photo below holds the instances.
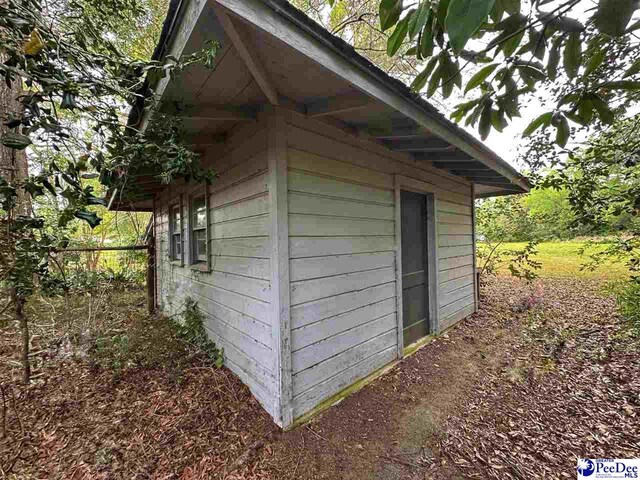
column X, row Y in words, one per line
column 577, row 394
column 541, row 375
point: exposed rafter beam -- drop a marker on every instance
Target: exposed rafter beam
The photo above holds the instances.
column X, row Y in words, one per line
column 250, row 60
column 499, row 193
column 478, row 174
column 443, row 156
column 338, row 104
column 205, row 139
column 420, row 145
column 466, row 165
column 496, row 183
column 395, row 132
column 183, row 31
column 210, row 112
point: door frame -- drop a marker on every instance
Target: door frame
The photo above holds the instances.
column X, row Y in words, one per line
column 417, row 186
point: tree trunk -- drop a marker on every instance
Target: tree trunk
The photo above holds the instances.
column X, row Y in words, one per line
column 19, row 302
column 13, row 163
column 14, row 168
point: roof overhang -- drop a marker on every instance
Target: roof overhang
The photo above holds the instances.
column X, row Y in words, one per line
column 272, row 54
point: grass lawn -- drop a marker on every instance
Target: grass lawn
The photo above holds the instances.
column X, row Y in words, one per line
column 562, row 259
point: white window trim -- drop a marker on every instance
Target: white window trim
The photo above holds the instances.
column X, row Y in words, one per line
column 172, row 254
column 194, row 262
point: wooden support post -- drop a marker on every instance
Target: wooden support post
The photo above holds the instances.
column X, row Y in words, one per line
column 249, row 57
column 280, row 287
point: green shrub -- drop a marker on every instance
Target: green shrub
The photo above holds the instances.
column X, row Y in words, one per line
column 157, row 342
column 628, row 297
column 191, row 329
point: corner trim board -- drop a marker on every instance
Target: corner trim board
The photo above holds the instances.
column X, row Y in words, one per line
column 398, row 241
column 476, row 287
column 280, row 290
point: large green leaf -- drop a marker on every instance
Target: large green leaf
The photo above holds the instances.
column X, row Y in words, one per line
column 604, row 112
column 612, row 16
column 426, row 38
column 594, row 62
column 510, row 45
column 421, row 80
column 563, row 131
column 511, row 6
column 462, row 109
column 90, row 217
column 498, row 120
column 464, row 17
column 585, row 111
column 434, row 81
column 15, row 140
column 537, row 44
column 544, row 119
column 633, row 69
column 512, row 23
column 572, row 56
column 450, row 76
column 397, row 37
column 485, row 121
column 480, row 77
column 630, row 85
column 565, row 24
column 554, row 59
column 441, row 13
column 418, row 19
column 497, row 11
column 530, row 70
column 389, row 11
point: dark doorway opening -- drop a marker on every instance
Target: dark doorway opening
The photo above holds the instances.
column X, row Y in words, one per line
column 416, row 210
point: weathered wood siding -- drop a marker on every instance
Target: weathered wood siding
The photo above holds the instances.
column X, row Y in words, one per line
column 342, row 260
column 341, row 234
column 236, row 294
column 455, row 261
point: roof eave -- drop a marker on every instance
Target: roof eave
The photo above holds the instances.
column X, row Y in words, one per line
column 435, row 121
column 415, row 107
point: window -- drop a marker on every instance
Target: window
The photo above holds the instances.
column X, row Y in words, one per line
column 175, row 230
column 199, row 229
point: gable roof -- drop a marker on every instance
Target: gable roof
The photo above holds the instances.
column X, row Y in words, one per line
column 487, row 170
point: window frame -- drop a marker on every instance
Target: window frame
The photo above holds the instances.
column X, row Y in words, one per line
column 199, row 264
column 172, row 231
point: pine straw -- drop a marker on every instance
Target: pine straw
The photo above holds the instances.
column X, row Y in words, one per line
column 565, row 384
column 80, row 419
column 85, row 425
column 573, row 390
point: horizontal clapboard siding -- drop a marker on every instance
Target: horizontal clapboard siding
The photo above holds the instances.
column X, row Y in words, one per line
column 324, row 246
column 342, row 270
column 349, row 373
column 342, row 263
column 455, row 262
column 235, row 295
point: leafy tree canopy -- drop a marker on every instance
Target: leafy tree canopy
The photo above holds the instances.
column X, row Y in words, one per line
column 78, row 86
column 585, row 53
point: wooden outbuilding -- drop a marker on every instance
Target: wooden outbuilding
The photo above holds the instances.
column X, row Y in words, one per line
column 340, row 231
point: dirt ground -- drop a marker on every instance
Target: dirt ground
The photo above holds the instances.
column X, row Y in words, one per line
column 542, row 375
